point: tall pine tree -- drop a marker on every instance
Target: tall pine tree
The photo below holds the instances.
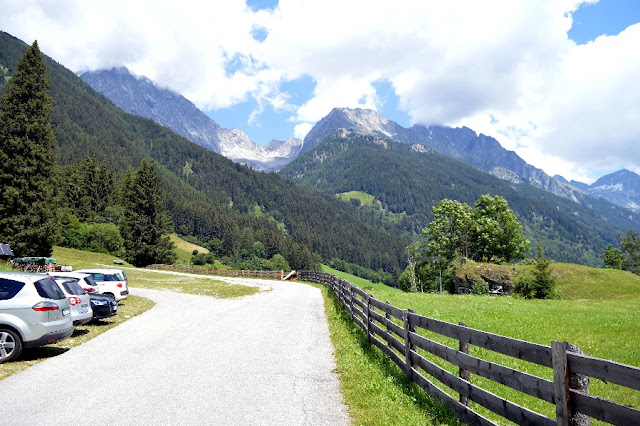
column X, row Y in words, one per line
column 27, row 161
column 145, row 222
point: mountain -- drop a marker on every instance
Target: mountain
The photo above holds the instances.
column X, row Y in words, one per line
column 141, row 96
column 408, row 179
column 621, row 188
column 207, row 195
column 482, row 152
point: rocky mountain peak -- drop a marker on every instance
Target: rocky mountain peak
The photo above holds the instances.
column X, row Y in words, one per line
column 141, row 96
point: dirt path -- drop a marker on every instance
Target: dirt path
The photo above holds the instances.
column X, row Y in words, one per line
column 260, row 360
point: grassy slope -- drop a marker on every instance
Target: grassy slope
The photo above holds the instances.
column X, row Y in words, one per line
column 599, row 314
column 365, row 199
column 184, row 249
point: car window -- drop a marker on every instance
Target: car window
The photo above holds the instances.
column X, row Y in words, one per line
column 89, row 280
column 72, row 287
column 9, row 288
column 48, row 289
column 112, row 277
column 122, row 275
column 98, row 276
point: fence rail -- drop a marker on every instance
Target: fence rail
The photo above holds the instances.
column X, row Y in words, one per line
column 276, row 275
column 395, row 332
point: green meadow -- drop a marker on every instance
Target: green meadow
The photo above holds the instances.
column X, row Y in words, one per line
column 599, row 312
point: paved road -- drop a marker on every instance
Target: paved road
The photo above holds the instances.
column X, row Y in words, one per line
column 260, row 360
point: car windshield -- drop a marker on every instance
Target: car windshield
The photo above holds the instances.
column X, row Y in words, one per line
column 72, row 287
column 9, row 288
column 48, row 289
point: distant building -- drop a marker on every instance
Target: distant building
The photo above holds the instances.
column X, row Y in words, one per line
column 5, row 252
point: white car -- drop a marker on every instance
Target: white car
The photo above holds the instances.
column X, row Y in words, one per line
column 86, row 281
column 81, row 312
column 112, row 282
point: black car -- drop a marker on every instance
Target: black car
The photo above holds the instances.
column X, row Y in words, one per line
column 103, row 306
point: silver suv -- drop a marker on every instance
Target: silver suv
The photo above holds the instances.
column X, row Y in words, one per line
column 33, row 312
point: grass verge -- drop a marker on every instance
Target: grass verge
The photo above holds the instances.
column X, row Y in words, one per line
column 155, row 280
column 158, row 280
column 128, row 308
column 375, row 390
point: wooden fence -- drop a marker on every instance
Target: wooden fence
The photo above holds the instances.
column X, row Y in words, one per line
column 569, row 389
column 276, row 275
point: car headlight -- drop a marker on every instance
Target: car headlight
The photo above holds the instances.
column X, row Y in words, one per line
column 100, row 302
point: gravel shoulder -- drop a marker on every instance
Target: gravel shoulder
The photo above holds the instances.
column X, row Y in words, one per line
column 260, row 360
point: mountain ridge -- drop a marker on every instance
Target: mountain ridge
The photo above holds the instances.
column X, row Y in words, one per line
column 140, row 96
column 408, row 179
column 621, row 187
column 209, row 196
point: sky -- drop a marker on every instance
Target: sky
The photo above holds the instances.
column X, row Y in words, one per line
column 557, row 81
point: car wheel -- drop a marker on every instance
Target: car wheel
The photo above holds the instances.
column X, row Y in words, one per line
column 10, row 345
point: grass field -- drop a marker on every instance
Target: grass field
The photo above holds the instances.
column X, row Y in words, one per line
column 600, row 314
column 365, row 199
column 155, row 280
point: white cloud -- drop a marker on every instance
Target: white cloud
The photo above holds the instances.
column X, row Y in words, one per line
column 565, row 108
column 301, row 130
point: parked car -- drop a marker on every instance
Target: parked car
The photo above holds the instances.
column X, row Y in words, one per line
column 33, row 312
column 86, row 281
column 81, row 312
column 103, row 306
column 110, row 281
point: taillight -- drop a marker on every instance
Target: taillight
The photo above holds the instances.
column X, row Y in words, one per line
column 45, row 306
column 119, row 285
column 74, row 300
column 89, row 289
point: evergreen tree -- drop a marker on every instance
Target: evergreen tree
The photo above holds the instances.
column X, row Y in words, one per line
column 544, row 284
column 145, row 223
column 27, row 161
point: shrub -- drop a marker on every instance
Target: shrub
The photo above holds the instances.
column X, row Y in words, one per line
column 480, row 288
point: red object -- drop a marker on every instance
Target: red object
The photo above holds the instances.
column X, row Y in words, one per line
column 45, row 306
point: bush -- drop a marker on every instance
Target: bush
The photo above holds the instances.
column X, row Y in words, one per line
column 105, row 238
column 96, row 237
column 480, row 288
column 541, row 285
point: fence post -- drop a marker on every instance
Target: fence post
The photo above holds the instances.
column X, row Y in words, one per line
column 407, row 343
column 462, row 373
column 368, row 303
column 563, row 381
column 387, row 315
column 353, row 315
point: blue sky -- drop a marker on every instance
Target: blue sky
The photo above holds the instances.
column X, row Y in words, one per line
column 558, row 86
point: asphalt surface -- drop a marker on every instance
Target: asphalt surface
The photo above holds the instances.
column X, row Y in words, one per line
column 260, row 360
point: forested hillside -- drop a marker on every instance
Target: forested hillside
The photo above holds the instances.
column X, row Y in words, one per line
column 209, row 196
column 408, row 180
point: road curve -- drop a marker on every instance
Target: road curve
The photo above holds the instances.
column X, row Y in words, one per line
column 259, row 360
